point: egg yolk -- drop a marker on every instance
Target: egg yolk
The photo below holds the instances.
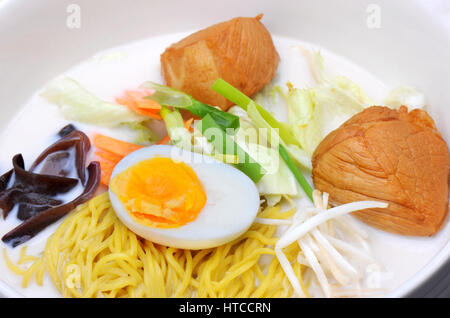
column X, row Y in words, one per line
column 160, row 192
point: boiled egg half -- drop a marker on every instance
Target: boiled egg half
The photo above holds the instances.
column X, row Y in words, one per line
column 182, row 199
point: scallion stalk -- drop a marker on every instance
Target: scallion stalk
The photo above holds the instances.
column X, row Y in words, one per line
column 167, row 96
column 295, row 171
column 233, row 94
column 223, row 119
column 237, row 97
column 222, row 142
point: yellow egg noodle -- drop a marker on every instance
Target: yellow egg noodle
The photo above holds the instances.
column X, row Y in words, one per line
column 92, row 254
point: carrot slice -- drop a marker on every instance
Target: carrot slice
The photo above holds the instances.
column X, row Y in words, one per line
column 148, row 113
column 135, row 101
column 108, row 156
column 106, row 171
column 115, row 146
column 164, row 141
column 148, row 104
column 188, row 124
column 143, row 111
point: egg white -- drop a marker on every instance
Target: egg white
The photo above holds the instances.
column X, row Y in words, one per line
column 231, row 206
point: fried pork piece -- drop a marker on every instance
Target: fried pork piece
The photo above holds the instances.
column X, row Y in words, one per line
column 240, row 51
column 392, row 156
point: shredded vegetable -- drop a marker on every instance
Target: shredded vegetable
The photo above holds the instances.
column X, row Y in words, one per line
column 264, row 119
column 225, row 145
column 233, row 94
column 76, row 103
column 143, row 135
column 325, row 247
column 179, row 135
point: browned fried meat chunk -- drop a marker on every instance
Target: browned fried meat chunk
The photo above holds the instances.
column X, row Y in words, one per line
column 390, row 155
column 240, row 51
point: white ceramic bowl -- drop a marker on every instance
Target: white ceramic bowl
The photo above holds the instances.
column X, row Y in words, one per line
column 408, row 43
